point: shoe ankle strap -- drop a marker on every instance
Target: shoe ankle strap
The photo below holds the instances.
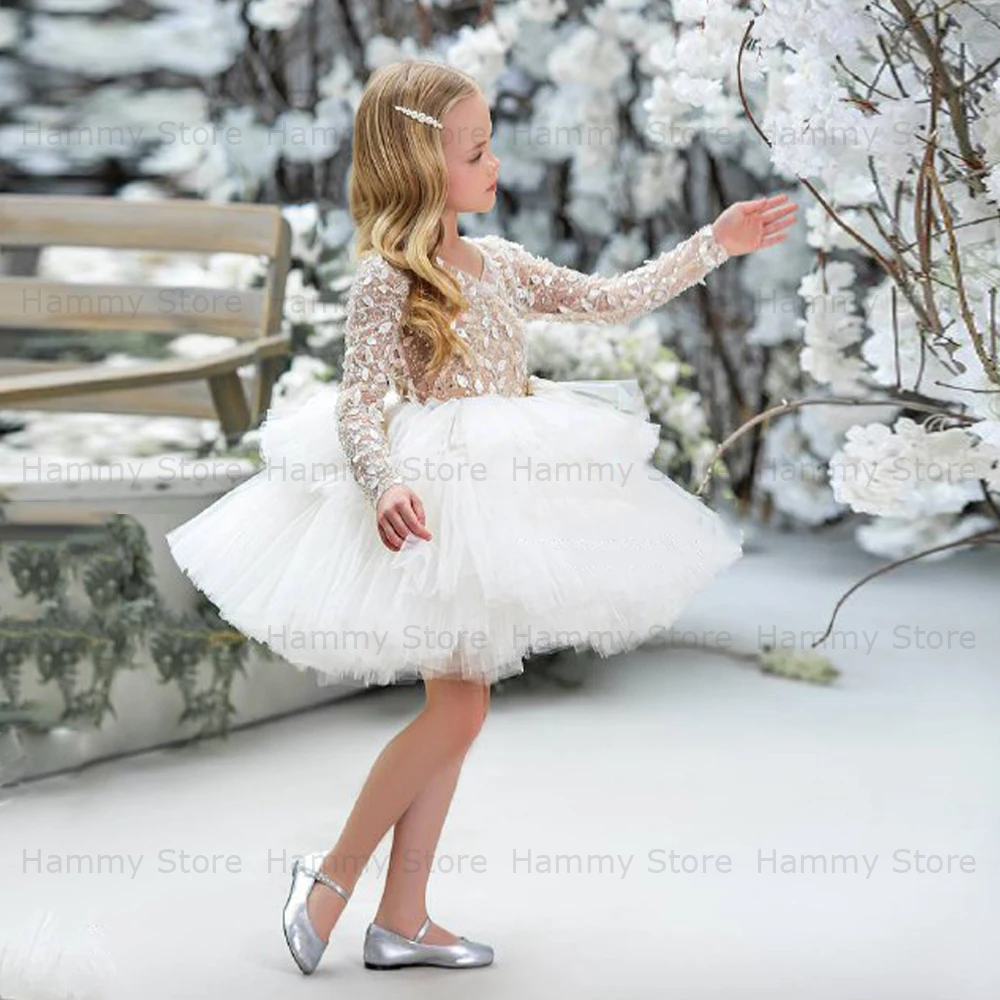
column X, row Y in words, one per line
column 424, row 928
column 320, row 876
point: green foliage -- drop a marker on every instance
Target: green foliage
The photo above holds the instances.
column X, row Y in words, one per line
column 800, row 665
column 98, row 611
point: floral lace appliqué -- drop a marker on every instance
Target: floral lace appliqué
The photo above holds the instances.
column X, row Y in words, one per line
column 515, row 286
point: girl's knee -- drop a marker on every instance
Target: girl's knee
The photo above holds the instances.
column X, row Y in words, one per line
column 459, row 709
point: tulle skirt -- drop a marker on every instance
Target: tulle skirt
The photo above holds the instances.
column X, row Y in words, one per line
column 551, row 530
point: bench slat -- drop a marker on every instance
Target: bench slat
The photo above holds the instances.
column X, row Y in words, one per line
column 181, row 224
column 181, row 399
column 64, row 305
column 93, row 378
column 253, row 316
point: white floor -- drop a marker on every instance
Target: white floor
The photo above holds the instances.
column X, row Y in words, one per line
column 659, row 750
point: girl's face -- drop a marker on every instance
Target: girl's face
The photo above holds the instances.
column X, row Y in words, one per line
column 472, row 167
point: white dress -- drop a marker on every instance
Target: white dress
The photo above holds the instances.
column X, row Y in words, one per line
column 551, row 527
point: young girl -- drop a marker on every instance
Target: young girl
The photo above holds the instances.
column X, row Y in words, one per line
column 484, row 515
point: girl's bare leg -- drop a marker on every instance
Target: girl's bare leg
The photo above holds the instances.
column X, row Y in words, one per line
column 446, row 726
column 414, row 841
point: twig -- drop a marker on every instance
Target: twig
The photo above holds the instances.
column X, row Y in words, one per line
column 989, row 364
column 952, row 94
column 990, row 535
column 787, row 407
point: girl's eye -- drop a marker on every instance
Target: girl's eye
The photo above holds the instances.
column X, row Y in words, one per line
column 478, row 156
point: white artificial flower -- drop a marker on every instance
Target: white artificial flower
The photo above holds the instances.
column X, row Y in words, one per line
column 907, row 471
column 306, row 138
column 823, row 233
column 686, row 416
column 898, row 139
column 233, row 270
column 973, row 387
column 825, row 427
column 337, row 228
column 381, row 50
column 587, row 57
column 667, row 371
column 275, row 15
column 200, row 40
column 988, row 431
column 199, row 345
column 540, row 11
column 305, row 377
column 689, row 11
column 482, row 52
column 897, row 538
column 303, row 305
column 304, row 222
column 340, row 82
column 659, row 181
column 894, row 346
column 795, row 479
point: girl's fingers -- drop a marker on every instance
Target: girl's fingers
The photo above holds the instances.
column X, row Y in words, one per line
column 778, row 213
column 385, row 539
column 779, row 224
column 414, row 523
column 419, row 508
column 398, row 522
column 394, row 528
column 761, row 203
column 382, row 535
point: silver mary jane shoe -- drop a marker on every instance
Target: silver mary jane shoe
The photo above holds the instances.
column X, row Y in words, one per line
column 304, row 943
column 385, row 949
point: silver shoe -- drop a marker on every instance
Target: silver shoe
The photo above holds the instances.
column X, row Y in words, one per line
column 385, row 949
column 304, row 943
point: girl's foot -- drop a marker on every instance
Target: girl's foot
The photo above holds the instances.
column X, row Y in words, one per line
column 409, row 927
column 324, row 907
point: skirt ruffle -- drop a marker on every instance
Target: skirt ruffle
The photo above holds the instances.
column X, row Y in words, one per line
column 551, row 530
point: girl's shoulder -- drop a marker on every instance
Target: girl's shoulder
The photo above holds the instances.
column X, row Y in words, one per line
column 373, row 270
column 495, row 242
column 504, row 254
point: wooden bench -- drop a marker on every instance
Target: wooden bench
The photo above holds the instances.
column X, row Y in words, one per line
column 200, row 387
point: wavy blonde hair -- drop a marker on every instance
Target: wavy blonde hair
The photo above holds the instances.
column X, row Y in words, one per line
column 398, row 188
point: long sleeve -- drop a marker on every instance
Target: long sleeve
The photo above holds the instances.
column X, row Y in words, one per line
column 548, row 289
column 374, row 312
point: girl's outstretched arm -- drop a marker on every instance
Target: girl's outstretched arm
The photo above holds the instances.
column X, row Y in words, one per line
column 371, row 354
column 547, row 289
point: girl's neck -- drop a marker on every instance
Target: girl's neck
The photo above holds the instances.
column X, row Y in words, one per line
column 451, row 242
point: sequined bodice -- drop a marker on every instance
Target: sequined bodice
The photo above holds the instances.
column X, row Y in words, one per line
column 515, row 286
column 491, row 327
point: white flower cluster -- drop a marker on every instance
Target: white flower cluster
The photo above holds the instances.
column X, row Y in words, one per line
column 613, row 96
column 579, row 351
column 802, row 80
column 910, row 472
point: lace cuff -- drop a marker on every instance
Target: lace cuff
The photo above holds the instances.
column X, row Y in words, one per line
column 550, row 290
column 371, row 348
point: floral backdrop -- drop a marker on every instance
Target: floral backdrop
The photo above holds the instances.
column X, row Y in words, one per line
column 852, row 371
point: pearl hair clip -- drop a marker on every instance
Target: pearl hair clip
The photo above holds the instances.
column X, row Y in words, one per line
column 419, row 116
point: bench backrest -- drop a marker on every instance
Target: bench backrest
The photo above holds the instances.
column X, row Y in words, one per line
column 179, row 224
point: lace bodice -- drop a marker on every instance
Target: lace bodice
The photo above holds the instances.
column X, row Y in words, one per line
column 515, row 286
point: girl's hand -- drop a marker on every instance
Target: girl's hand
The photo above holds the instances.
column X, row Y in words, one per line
column 753, row 225
column 400, row 512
